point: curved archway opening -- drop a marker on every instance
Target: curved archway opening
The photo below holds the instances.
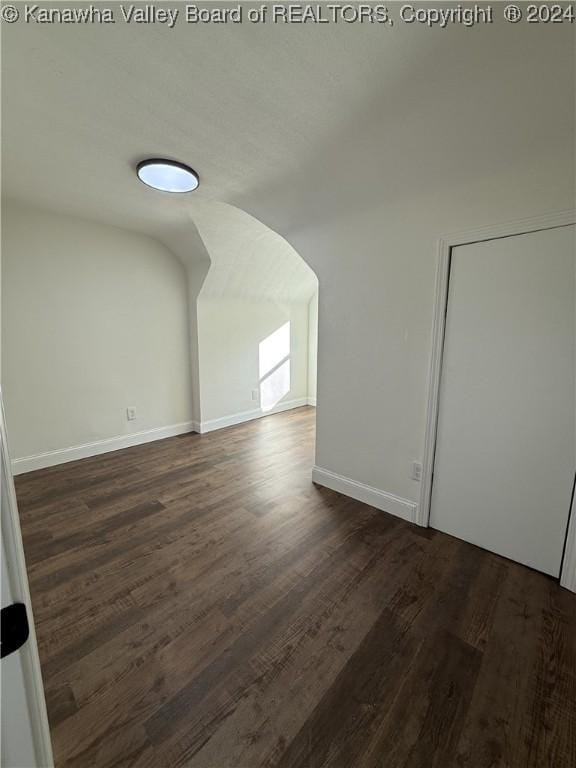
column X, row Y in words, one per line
column 255, row 320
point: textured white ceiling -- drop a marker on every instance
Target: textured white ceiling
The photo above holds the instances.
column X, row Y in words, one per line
column 296, row 124
column 248, row 259
column 248, row 106
column 244, row 106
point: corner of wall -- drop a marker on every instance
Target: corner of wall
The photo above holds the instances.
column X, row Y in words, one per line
column 313, row 348
column 186, row 244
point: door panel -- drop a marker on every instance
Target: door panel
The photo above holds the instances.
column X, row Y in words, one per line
column 505, row 451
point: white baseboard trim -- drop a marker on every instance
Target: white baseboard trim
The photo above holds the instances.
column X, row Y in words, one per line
column 312, row 401
column 239, row 418
column 387, row 502
column 63, row 455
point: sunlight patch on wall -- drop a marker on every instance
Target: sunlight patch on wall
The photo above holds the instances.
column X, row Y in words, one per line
column 274, row 367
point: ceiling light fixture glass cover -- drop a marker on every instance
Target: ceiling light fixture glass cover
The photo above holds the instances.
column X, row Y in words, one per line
column 167, row 175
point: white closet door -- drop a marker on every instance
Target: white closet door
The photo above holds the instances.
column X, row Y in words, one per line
column 505, row 451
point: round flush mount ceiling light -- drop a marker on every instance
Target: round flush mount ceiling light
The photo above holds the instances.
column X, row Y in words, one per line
column 167, row 175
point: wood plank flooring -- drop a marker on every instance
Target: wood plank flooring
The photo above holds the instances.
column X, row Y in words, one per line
column 199, row 602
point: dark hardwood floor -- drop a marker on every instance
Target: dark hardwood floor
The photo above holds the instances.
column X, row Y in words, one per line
column 200, row 603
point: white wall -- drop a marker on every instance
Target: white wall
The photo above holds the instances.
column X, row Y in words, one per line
column 255, row 284
column 473, row 139
column 375, row 322
column 229, row 334
column 94, row 319
column 312, row 347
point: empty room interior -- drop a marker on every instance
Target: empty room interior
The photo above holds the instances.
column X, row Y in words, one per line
column 288, row 385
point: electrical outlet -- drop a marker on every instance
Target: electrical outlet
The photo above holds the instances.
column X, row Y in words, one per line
column 130, row 414
column 417, row 470
column 255, row 395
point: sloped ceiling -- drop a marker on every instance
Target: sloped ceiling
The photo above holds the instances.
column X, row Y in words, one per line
column 248, row 106
column 295, row 123
column 249, row 260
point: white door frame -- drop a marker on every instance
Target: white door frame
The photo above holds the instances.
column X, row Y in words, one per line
column 18, row 577
column 445, row 244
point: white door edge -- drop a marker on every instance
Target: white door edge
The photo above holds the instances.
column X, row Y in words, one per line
column 17, row 574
